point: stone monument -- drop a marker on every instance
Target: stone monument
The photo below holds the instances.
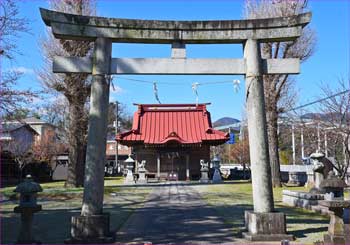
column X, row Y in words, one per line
column 204, row 171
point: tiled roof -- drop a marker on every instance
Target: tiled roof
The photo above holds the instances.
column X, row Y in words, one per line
column 183, row 124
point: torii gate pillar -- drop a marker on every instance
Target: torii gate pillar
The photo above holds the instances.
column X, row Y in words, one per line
column 263, row 224
column 93, row 225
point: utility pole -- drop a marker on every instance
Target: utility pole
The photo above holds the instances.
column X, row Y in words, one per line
column 229, row 153
column 116, row 142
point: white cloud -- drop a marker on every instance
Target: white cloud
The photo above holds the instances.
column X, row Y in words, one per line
column 114, row 90
column 22, row 69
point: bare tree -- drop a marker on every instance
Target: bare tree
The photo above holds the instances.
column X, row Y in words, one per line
column 11, row 27
column 56, row 112
column 240, row 152
column 47, row 148
column 19, row 146
column 278, row 88
column 336, row 117
column 74, row 87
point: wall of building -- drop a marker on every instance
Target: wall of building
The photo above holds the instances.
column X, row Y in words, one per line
column 173, row 159
column 22, row 140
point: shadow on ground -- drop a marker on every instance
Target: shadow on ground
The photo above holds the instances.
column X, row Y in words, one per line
column 52, row 225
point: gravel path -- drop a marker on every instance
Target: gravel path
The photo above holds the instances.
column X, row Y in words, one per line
column 175, row 213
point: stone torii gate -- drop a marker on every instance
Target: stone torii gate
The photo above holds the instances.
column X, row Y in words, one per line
column 93, row 224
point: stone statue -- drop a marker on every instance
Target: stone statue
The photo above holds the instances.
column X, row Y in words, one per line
column 321, row 167
column 204, row 171
column 142, row 172
column 142, row 165
column 204, row 165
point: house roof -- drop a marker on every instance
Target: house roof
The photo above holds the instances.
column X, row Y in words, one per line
column 34, row 120
column 162, row 124
column 7, row 128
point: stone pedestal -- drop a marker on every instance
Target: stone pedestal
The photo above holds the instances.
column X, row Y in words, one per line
column 336, row 228
column 90, row 229
column 310, row 179
column 26, row 231
column 318, row 180
column 266, row 226
column 142, row 176
column 293, row 179
column 204, row 176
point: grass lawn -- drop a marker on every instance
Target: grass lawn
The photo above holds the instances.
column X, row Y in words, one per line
column 230, row 199
column 56, row 189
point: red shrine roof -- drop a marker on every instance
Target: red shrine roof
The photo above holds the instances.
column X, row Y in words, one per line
column 160, row 124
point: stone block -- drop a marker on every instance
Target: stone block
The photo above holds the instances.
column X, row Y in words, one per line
column 301, row 199
column 266, row 226
column 90, row 229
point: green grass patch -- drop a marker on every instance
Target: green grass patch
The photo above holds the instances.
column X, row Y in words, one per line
column 57, row 189
column 231, row 199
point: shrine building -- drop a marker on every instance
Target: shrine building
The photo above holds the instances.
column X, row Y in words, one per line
column 172, row 138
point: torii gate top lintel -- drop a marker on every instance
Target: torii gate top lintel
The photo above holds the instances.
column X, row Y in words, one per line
column 70, row 26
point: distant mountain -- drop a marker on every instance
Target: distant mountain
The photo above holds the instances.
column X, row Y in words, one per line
column 225, row 121
column 312, row 116
column 324, row 116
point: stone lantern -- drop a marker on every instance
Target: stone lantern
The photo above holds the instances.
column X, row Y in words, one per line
column 334, row 201
column 216, row 165
column 129, row 166
column 27, row 190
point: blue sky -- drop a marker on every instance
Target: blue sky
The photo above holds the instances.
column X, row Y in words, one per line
column 330, row 61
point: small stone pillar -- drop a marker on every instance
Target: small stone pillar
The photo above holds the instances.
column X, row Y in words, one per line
column 216, row 165
column 188, row 167
column 142, row 172
column 204, row 172
column 27, row 207
column 129, row 179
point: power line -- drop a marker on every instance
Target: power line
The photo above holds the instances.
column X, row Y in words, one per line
column 319, row 100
